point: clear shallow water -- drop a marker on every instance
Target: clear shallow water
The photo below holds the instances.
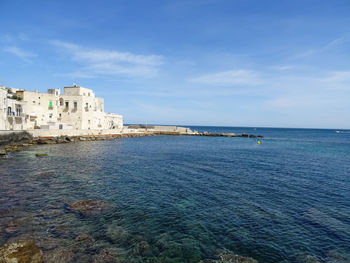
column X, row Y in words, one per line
column 179, row 199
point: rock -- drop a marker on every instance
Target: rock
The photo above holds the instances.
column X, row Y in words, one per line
column 90, row 207
column 117, row 233
column 45, row 174
column 311, row 259
column 15, row 225
column 85, row 237
column 142, row 249
column 334, row 256
column 3, row 153
column 84, row 242
column 225, row 256
column 59, row 255
column 43, row 242
column 21, row 252
column 106, row 256
column 41, row 154
column 27, row 144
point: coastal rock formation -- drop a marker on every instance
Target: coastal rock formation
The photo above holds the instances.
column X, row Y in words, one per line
column 14, row 137
column 21, row 252
column 225, row 256
column 90, row 207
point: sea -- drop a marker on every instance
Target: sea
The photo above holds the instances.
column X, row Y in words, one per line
column 184, row 198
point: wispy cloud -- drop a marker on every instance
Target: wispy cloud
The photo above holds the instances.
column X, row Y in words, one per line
column 229, row 78
column 100, row 62
column 321, row 49
column 22, row 54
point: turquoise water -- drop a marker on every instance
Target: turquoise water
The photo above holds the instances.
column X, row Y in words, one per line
column 179, row 198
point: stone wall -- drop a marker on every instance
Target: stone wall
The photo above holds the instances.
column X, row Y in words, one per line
column 57, row 133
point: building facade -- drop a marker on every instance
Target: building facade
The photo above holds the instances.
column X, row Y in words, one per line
column 77, row 108
column 11, row 110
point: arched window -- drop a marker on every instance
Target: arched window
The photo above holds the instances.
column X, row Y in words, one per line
column 61, row 102
column 9, row 111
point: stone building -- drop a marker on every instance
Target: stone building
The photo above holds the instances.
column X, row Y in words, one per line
column 77, row 108
column 11, row 110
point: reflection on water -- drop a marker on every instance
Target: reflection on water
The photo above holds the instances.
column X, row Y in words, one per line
column 180, row 199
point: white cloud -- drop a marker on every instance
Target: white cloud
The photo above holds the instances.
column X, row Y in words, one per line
column 99, row 62
column 229, row 78
column 283, row 67
column 324, row 48
column 22, row 54
column 339, row 77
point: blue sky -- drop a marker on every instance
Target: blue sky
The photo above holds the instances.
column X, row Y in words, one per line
column 201, row 62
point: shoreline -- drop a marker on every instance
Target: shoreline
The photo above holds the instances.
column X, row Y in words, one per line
column 18, row 140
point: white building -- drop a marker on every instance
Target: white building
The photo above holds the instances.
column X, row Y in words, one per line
column 77, row 108
column 11, row 110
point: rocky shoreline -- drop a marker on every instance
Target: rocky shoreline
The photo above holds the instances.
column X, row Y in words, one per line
column 17, row 142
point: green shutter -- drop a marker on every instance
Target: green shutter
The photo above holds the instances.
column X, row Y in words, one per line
column 50, row 105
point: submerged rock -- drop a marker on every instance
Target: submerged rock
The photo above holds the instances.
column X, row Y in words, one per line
column 84, row 242
column 311, row 259
column 59, row 255
column 142, row 249
column 225, row 256
column 90, row 207
column 106, row 256
column 85, row 238
column 117, row 234
column 21, row 252
column 41, row 154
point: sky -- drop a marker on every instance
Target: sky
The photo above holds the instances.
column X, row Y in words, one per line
column 271, row 63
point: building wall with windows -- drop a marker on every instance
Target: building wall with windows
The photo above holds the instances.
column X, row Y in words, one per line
column 12, row 116
column 76, row 108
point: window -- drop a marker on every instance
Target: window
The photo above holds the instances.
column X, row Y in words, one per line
column 88, row 121
column 56, row 93
column 18, row 111
column 9, row 111
column 33, row 101
column 67, row 104
column 75, row 104
column 61, row 102
column 50, row 115
column 50, row 104
column 87, row 105
column 60, row 115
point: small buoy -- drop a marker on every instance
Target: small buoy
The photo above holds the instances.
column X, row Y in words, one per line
column 259, row 142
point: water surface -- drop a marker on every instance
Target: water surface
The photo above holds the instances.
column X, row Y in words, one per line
column 179, row 198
